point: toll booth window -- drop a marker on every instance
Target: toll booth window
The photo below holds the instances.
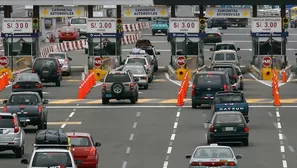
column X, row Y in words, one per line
column 209, row 80
column 192, row 48
column 26, row 49
column 230, row 56
column 266, row 48
column 107, row 49
column 78, row 21
column 219, row 57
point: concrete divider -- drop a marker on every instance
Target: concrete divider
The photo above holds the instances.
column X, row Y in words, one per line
column 172, row 71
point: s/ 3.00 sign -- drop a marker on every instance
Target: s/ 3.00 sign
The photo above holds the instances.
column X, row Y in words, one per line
column 17, row 25
column 101, row 25
column 183, row 25
column 266, row 25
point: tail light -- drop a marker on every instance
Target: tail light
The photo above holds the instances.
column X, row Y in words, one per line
column 234, row 76
column 15, row 86
column 39, row 109
column 246, row 129
column 231, row 163
column 59, row 70
column 21, row 106
column 16, row 127
column 211, row 128
column 196, row 164
column 33, row 70
column 39, row 85
column 193, row 90
column 66, row 62
column 218, row 35
column 92, row 152
column 225, row 87
column 143, row 78
column 131, row 86
column 104, row 87
column 4, row 109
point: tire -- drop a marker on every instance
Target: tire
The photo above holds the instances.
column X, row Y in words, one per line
column 156, row 68
column 86, row 51
column 224, row 27
column 105, row 101
column 241, row 86
column 19, row 152
column 58, row 83
column 60, row 41
column 133, row 100
column 40, row 94
column 118, row 85
column 146, row 86
column 151, row 79
column 68, row 73
column 45, row 71
column 245, row 142
column 153, row 33
column 40, row 126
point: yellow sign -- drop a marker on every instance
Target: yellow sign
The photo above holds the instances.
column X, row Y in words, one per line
column 65, row 11
column 128, row 12
column 228, row 12
column 163, row 11
column 146, row 11
column 210, row 13
column 245, row 13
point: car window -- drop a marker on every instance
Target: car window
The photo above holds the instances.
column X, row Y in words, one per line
column 51, row 159
column 117, row 78
column 229, row 70
column 134, row 70
column 136, row 60
column 212, row 31
column 219, row 57
column 213, row 153
column 27, row 77
column 6, row 122
column 150, row 51
column 39, row 63
column 230, row 98
column 78, row 21
column 228, row 118
column 79, row 141
column 160, row 22
column 230, row 56
column 23, row 99
column 225, row 47
column 68, row 29
column 56, row 55
column 208, row 79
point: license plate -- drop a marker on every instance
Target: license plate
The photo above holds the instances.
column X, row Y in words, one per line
column 209, row 95
column 229, row 128
column 108, row 95
column 45, row 71
column 211, row 35
column 159, row 30
column 23, row 119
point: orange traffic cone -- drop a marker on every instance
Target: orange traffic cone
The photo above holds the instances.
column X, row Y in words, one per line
column 284, row 77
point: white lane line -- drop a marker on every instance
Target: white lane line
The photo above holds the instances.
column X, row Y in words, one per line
column 124, row 164
column 71, row 114
column 270, row 114
column 277, row 114
column 128, row 150
column 279, row 125
column 169, row 150
column 134, row 124
column 165, row 165
column 131, row 137
column 138, row 114
column 291, row 148
column 285, row 164
column 282, row 149
column 281, row 137
column 172, row 137
column 175, row 125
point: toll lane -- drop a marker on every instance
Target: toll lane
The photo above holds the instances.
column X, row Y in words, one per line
column 287, row 91
column 263, row 150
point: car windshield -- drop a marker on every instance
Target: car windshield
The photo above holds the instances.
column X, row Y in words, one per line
column 68, row 29
column 52, row 159
column 134, row 70
column 149, row 51
column 212, row 31
column 117, row 78
column 23, row 99
column 160, row 22
column 56, row 55
column 211, row 152
column 230, row 56
column 136, row 60
column 80, row 141
column 219, row 57
column 229, row 70
column 78, row 21
column 27, row 77
column 228, row 118
column 225, row 47
column 230, row 98
column 209, row 80
column 6, row 122
column 39, row 63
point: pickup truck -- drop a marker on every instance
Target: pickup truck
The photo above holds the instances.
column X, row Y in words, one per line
column 230, row 101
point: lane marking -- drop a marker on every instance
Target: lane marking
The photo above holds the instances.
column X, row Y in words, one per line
column 70, row 116
column 281, row 138
column 131, row 137
column 172, row 137
column 282, row 149
column 291, row 148
column 63, row 126
column 124, row 164
column 169, row 150
column 128, row 150
column 134, row 124
column 270, row 114
column 285, row 164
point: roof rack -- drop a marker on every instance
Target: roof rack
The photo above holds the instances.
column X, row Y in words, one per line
column 51, row 138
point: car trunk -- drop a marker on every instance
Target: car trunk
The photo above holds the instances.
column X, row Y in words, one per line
column 207, row 90
column 229, row 128
column 23, row 111
column 80, row 152
column 27, row 84
column 6, row 129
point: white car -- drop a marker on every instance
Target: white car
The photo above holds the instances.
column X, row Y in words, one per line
column 225, row 56
column 64, row 60
column 80, row 23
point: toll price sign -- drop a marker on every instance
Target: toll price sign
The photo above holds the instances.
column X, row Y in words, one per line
column 267, row 24
column 183, row 25
column 101, row 25
column 17, row 25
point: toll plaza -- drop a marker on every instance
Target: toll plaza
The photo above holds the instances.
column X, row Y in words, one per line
column 269, row 45
column 186, row 39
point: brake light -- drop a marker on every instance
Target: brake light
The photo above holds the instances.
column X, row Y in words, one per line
column 92, row 152
column 196, row 164
column 33, row 70
column 22, row 106
column 103, row 86
column 38, row 85
column 16, row 127
column 16, row 86
column 225, row 87
column 143, row 77
column 234, row 76
column 231, row 163
column 66, row 61
column 39, row 109
column 211, row 128
column 193, row 90
column 246, row 129
column 131, row 86
column 4, row 109
column 218, row 35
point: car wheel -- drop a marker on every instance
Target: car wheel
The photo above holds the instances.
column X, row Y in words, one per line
column 105, row 101
column 86, row 51
column 156, row 68
column 40, row 126
column 153, row 33
column 58, row 83
column 133, row 100
column 19, row 152
column 245, row 142
column 241, row 86
column 40, row 94
column 69, row 73
column 146, row 86
column 194, row 105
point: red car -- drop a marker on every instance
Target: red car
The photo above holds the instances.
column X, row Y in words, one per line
column 83, row 148
column 68, row 33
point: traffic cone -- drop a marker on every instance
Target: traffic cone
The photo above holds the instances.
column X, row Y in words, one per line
column 277, row 99
column 284, row 77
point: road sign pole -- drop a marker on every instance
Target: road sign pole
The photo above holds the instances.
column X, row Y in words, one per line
column 271, row 49
column 119, row 39
column 11, row 47
column 186, row 50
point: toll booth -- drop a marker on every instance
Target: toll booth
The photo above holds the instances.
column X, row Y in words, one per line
column 102, row 42
column 20, row 42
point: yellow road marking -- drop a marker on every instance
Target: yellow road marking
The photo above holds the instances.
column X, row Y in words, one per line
column 144, row 100
column 254, row 100
column 160, row 80
column 73, row 80
column 61, row 123
column 288, row 100
column 94, row 102
column 168, row 101
column 64, row 101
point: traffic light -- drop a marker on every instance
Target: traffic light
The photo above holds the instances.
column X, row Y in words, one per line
column 119, row 25
column 202, row 25
column 285, row 23
column 35, row 25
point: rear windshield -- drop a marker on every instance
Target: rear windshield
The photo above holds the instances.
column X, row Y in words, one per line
column 149, row 51
column 136, row 60
column 6, row 122
column 39, row 63
column 219, row 57
column 27, row 77
column 229, row 70
column 225, row 47
column 117, row 78
column 229, row 98
column 68, row 29
column 23, row 99
column 56, row 55
column 134, row 70
column 78, row 21
column 209, row 79
column 52, row 159
column 230, row 56
column 80, row 141
column 213, row 153
column 228, row 118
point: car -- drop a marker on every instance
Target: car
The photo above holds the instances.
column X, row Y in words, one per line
column 68, row 33
column 51, row 149
column 228, row 127
column 151, row 51
column 48, row 70
column 139, row 72
column 83, row 148
column 143, row 19
column 240, row 22
column 64, row 60
column 217, row 22
column 80, row 23
column 30, row 108
column 293, row 22
column 27, row 82
column 213, row 155
column 230, row 101
column 233, row 73
column 12, row 134
column 212, row 36
column 160, row 26
column 225, row 56
column 120, row 85
column 224, row 46
column 206, row 84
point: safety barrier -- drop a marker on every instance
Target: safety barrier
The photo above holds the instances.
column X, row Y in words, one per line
column 4, row 81
column 275, row 89
column 136, row 27
column 86, row 86
column 183, row 89
column 285, row 73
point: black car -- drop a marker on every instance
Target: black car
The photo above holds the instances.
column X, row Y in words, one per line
column 48, row 70
column 217, row 22
column 150, row 50
column 228, row 127
column 27, row 82
column 206, row 84
column 29, row 107
column 231, row 70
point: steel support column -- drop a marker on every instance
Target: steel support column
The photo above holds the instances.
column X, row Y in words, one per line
column 255, row 10
column 201, row 10
column 90, row 11
column 173, row 14
column 119, row 39
column 7, row 11
column 283, row 15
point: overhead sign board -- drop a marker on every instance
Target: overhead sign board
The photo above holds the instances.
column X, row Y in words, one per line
column 269, row 24
column 184, row 25
column 146, row 11
column 109, row 6
column 101, row 25
column 228, row 12
column 17, row 25
column 62, row 11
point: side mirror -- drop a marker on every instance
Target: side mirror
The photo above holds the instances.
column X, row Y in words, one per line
column 295, row 53
column 158, row 53
column 69, row 58
column 239, row 57
column 24, row 161
column 238, row 157
column 211, row 49
column 45, row 101
column 238, row 49
column 98, row 144
column 136, row 79
column 78, row 162
column 147, row 72
column 209, row 58
column 188, row 156
column 4, row 101
column 207, row 121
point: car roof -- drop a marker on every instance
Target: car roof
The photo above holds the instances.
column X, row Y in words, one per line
column 220, row 146
column 225, row 43
column 57, row 53
column 5, row 114
column 78, row 134
column 212, row 72
column 225, row 51
column 228, row 112
column 22, row 93
column 51, row 149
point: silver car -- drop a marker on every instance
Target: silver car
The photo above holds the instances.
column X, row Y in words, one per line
column 64, row 60
column 225, row 56
column 12, row 135
column 139, row 72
